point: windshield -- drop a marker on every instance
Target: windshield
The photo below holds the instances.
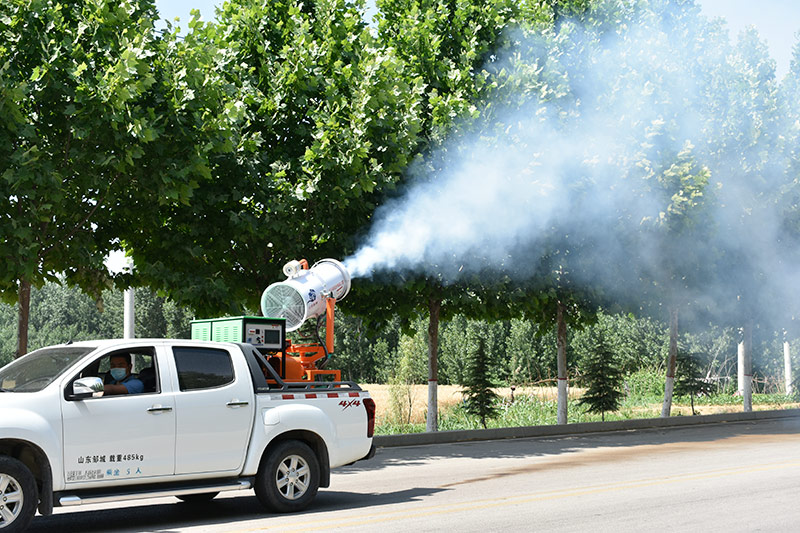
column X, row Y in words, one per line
column 38, row 369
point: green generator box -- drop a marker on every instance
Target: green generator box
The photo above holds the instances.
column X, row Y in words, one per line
column 265, row 333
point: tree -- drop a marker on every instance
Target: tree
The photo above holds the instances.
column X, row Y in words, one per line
column 529, row 352
column 479, row 397
column 94, row 131
column 447, row 47
column 574, row 248
column 741, row 153
column 691, row 381
column 789, row 201
column 329, row 128
column 656, row 204
column 679, row 267
column 569, row 306
column 362, row 355
column 637, row 342
column 69, row 74
column 789, row 95
column 454, row 351
column 603, row 378
column 660, row 209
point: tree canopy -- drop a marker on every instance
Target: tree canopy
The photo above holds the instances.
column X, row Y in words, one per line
column 100, row 121
column 631, row 157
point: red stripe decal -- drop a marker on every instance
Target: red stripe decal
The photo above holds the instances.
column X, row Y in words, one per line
column 311, row 396
column 333, row 395
column 287, row 397
column 354, row 395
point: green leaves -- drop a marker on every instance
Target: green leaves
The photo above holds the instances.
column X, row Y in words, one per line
column 274, row 134
column 322, row 124
column 602, row 377
column 93, row 136
column 480, row 398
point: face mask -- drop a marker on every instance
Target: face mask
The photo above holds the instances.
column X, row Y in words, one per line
column 119, row 373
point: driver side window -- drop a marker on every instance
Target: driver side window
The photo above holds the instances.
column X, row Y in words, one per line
column 141, row 375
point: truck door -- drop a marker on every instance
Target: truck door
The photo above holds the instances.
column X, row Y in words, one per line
column 128, row 436
column 214, row 407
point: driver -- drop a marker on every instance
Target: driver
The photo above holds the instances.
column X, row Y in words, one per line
column 122, row 380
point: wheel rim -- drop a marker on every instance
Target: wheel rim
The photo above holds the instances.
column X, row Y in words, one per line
column 293, row 477
column 11, row 499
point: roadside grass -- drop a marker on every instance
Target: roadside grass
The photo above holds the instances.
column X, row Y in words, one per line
column 535, row 406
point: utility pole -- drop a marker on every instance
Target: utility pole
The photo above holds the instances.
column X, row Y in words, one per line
column 740, row 367
column 129, row 315
column 747, row 391
column 129, row 311
column 787, row 364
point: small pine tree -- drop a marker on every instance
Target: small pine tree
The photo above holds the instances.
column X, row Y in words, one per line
column 689, row 380
column 603, row 378
column 480, row 398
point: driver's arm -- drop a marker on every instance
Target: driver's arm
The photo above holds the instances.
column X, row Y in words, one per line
column 115, row 389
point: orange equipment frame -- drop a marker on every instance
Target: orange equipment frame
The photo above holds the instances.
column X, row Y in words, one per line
column 309, row 354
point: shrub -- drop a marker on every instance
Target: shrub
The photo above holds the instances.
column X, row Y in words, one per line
column 645, row 384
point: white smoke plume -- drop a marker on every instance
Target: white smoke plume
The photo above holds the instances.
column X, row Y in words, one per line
column 585, row 164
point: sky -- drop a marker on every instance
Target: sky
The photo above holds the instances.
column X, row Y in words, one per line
column 777, row 21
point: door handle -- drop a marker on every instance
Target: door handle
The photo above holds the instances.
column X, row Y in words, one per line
column 236, row 403
column 158, row 409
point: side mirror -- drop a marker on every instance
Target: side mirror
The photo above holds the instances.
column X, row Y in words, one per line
column 87, row 388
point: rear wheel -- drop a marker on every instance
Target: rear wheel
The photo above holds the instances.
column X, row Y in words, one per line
column 18, row 495
column 288, row 478
column 198, row 498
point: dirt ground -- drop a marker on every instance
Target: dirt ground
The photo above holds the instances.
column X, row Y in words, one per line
column 450, row 395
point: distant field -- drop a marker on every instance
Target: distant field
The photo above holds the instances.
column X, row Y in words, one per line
column 449, row 396
column 546, row 397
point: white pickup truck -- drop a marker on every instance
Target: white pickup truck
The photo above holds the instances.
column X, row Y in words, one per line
column 212, row 417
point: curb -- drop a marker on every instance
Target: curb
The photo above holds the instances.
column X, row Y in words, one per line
column 469, row 435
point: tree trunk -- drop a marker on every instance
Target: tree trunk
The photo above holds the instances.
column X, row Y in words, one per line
column 672, row 362
column 561, row 359
column 787, row 366
column 24, row 301
column 747, row 392
column 432, row 422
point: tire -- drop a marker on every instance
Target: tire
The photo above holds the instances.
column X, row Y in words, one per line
column 18, row 495
column 202, row 497
column 288, row 478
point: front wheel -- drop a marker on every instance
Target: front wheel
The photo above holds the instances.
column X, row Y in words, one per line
column 18, row 495
column 288, row 478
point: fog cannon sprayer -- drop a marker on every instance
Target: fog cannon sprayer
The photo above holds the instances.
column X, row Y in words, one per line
column 307, row 292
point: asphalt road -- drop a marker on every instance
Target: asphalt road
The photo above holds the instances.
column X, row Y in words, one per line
column 723, row 477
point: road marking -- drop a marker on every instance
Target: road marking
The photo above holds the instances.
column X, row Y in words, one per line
column 488, row 503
